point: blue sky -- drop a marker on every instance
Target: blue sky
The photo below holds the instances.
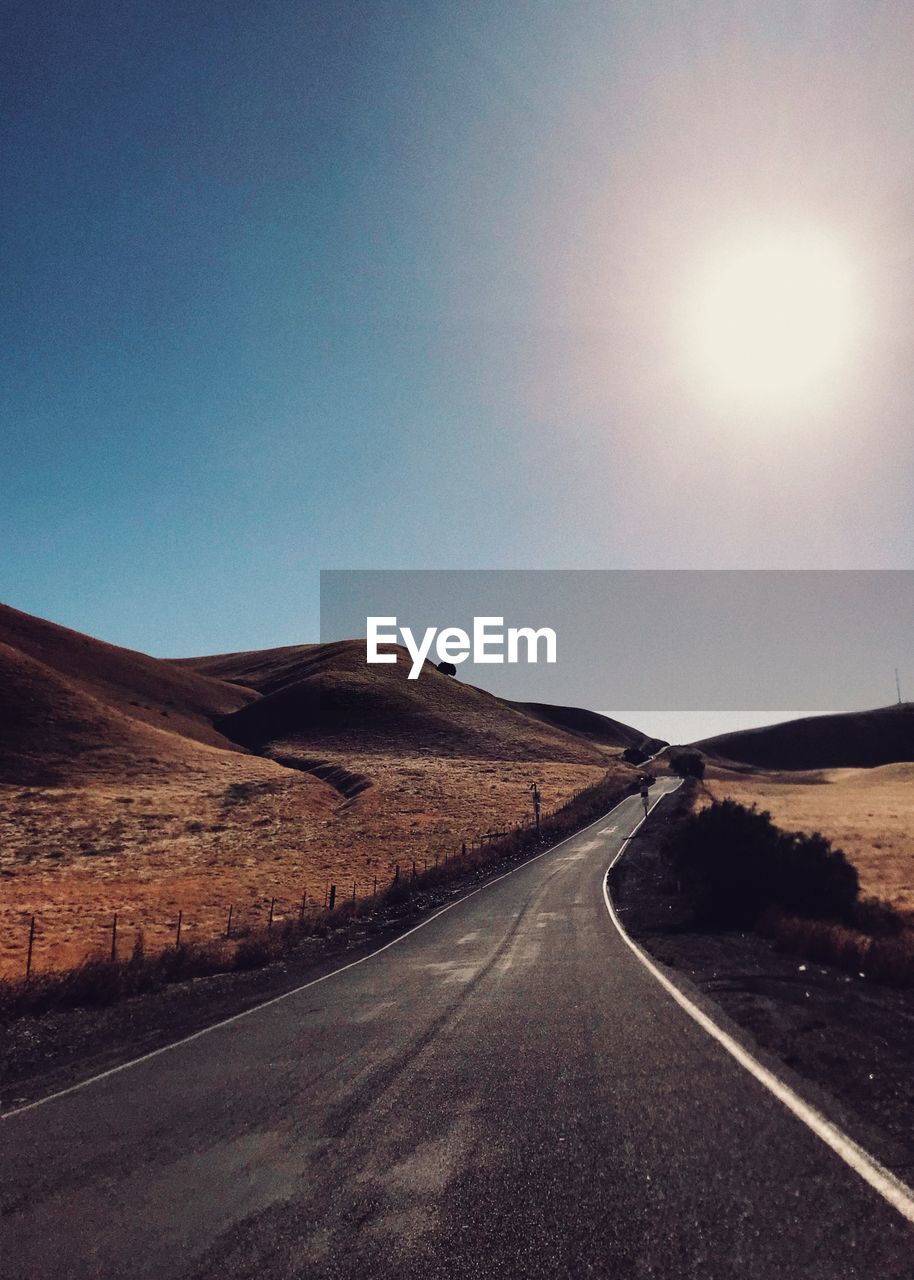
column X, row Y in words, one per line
column 391, row 285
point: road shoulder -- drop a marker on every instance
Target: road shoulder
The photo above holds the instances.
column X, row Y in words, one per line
column 844, row 1042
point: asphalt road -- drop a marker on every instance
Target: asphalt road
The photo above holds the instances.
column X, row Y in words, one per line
column 505, row 1092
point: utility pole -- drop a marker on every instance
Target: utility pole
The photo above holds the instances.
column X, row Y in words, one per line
column 898, row 686
column 536, row 805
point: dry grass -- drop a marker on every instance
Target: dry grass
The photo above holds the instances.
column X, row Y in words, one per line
column 237, row 833
column 883, row 959
column 869, row 813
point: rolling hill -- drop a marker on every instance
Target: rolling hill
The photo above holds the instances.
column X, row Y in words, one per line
column 75, row 707
column 854, row 739
column 326, row 695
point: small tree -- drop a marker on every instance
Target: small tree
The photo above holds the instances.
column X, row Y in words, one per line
column 688, row 764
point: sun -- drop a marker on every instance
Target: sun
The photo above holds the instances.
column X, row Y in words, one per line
column 772, row 319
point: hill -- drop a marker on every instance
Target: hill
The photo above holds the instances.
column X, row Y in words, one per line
column 74, row 706
column 590, row 724
column 326, row 695
column 76, row 709
column 854, row 739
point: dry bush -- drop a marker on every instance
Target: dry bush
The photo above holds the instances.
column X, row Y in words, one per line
column 889, row 958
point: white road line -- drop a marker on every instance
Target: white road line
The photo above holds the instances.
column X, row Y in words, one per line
column 892, row 1189
column 236, row 1017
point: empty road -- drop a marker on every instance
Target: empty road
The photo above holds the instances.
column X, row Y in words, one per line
column 505, row 1092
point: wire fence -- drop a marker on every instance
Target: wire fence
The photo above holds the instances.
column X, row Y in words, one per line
column 123, row 933
column 111, row 936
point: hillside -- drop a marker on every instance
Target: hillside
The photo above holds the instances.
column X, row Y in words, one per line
column 327, row 696
column 590, row 724
column 856, row 739
column 74, row 707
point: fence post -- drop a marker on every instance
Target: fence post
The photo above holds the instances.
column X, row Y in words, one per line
column 374, row 889
column 270, row 921
column 28, row 962
column 332, row 899
column 178, row 930
column 463, row 849
column 396, row 872
column 114, row 937
column 301, row 909
column 353, row 893
column 414, row 868
column 228, row 927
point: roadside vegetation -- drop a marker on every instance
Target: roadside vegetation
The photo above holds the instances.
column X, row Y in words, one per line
column 736, row 869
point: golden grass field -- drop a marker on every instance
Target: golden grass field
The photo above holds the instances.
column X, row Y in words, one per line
column 869, row 813
column 236, row 831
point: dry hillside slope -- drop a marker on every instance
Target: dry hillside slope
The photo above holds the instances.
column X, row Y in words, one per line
column 856, row 739
column 327, row 696
column 74, row 707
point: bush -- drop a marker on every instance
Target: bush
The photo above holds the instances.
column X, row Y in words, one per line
column 688, row 764
column 736, row 863
column 883, row 957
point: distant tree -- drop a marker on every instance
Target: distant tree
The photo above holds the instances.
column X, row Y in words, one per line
column 635, row 755
column 447, row 668
column 687, row 764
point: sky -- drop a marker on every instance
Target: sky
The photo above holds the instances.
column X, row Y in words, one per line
column 290, row 287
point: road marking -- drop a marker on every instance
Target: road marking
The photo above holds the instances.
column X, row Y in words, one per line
column 246, row 1013
column 892, row 1189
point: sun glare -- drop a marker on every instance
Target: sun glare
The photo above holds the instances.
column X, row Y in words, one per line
column 772, row 320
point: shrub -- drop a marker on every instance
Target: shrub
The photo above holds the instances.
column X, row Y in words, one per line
column 687, row 764
column 257, row 950
column 736, row 863
column 884, row 957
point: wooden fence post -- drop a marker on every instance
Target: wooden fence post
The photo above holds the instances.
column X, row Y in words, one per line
column 301, row 909
column 114, row 937
column 228, row 927
column 178, row 929
column 270, row 921
column 332, row 898
column 28, row 962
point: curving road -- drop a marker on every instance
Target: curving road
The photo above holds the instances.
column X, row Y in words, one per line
column 505, row 1092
